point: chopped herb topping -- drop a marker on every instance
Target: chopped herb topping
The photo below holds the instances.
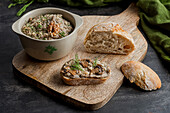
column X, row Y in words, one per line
column 32, row 28
column 39, row 26
column 45, row 18
column 43, row 24
column 62, row 34
column 95, row 62
column 76, row 65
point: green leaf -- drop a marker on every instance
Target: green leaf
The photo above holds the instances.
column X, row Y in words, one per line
column 24, row 8
column 45, row 1
column 76, row 58
column 39, row 26
column 10, row 5
column 17, row 2
column 62, row 34
column 76, row 65
column 95, row 62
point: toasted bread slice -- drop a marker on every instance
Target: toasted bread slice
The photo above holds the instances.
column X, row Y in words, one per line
column 87, row 73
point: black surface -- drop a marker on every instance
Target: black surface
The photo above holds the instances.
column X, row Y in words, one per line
column 16, row 96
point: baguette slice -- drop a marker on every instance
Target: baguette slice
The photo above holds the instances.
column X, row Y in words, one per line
column 108, row 38
column 89, row 75
column 141, row 75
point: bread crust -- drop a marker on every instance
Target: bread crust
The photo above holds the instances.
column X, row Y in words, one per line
column 141, row 75
column 115, row 29
column 83, row 81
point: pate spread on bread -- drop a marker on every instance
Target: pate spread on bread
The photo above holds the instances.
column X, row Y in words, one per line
column 141, row 75
column 84, row 72
column 108, row 38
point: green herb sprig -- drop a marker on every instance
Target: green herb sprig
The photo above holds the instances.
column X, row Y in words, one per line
column 24, row 8
column 39, row 26
column 16, row 2
column 76, row 65
column 95, row 62
column 62, row 34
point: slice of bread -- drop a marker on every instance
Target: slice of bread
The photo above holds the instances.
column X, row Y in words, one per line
column 86, row 74
column 141, row 75
column 108, row 38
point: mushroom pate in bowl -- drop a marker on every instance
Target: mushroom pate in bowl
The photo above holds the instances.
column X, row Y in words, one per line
column 51, row 38
column 47, row 27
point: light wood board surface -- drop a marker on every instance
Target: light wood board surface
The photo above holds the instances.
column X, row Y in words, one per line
column 45, row 75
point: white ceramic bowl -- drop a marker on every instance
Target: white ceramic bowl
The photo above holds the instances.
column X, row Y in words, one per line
column 48, row 49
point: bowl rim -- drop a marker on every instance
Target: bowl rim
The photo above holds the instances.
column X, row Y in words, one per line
column 51, row 8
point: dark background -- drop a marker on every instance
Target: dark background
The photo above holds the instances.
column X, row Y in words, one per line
column 16, row 96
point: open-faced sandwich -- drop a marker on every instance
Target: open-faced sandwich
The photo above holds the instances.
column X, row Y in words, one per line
column 84, row 72
column 108, row 38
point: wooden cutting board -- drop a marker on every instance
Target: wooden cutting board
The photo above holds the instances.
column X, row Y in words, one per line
column 45, row 75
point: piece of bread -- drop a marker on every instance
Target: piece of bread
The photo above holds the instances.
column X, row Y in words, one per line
column 108, row 38
column 90, row 73
column 141, row 75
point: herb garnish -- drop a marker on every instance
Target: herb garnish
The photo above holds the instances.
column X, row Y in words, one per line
column 24, row 8
column 32, row 28
column 62, row 34
column 95, row 62
column 76, row 65
column 39, row 26
column 26, row 4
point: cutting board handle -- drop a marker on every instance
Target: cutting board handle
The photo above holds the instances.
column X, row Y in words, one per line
column 131, row 14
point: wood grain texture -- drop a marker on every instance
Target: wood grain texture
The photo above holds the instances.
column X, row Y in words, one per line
column 45, row 75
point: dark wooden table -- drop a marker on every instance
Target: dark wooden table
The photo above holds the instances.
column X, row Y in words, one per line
column 16, row 96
